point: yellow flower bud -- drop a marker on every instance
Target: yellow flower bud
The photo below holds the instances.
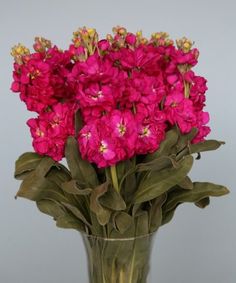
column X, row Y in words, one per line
column 139, row 33
column 91, row 32
column 18, row 51
column 184, row 44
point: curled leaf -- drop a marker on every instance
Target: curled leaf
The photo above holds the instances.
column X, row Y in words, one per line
column 205, row 146
column 202, row 203
column 102, row 213
column 72, row 187
column 157, row 183
column 26, row 163
column 200, row 190
column 198, row 195
column 186, row 183
column 122, row 221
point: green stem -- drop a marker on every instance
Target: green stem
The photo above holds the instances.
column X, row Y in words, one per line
column 114, row 178
column 132, row 267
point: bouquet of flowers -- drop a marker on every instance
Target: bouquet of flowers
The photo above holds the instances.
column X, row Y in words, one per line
column 127, row 114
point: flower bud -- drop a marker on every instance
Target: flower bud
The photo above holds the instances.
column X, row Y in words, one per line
column 184, row 44
column 119, row 30
column 18, row 52
column 130, row 38
column 41, row 44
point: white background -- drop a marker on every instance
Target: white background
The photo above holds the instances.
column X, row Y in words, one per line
column 198, row 245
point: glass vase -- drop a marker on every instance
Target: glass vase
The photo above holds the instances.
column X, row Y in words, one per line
column 122, row 260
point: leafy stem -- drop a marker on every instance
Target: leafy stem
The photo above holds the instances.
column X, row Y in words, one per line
column 114, row 178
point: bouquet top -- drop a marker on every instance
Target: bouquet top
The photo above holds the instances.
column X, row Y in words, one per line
column 126, row 92
column 127, row 113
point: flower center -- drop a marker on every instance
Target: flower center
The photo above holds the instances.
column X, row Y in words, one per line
column 56, row 122
column 87, row 135
column 121, row 128
column 145, row 132
column 103, row 147
column 174, row 104
column 97, row 95
column 39, row 133
column 34, row 74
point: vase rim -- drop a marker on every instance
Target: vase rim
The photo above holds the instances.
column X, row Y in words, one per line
column 84, row 234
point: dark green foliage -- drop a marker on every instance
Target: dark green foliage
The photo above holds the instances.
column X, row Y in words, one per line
column 150, row 189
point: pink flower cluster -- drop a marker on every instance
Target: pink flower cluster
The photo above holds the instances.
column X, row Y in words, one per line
column 129, row 91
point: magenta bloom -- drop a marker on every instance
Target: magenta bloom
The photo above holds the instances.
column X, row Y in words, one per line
column 97, row 145
column 51, row 129
column 129, row 91
column 179, row 110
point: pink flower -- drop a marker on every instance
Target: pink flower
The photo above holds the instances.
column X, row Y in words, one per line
column 130, row 38
column 35, row 72
column 123, row 126
column 51, row 129
column 189, row 58
column 104, row 44
column 179, row 110
column 95, row 94
column 129, row 90
column 41, row 80
column 203, row 130
column 150, row 136
column 172, row 79
column 98, row 146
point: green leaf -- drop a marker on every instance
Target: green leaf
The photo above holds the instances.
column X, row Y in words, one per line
column 202, row 203
column 205, row 146
column 51, row 208
column 58, row 174
column 72, row 187
column 200, row 190
column 155, row 212
column 36, row 188
column 26, row 163
column 157, row 164
column 122, row 221
column 167, row 216
column 44, row 166
column 128, row 183
column 44, row 182
column 186, row 183
column 112, row 199
column 142, row 224
column 102, row 213
column 77, row 213
column 62, row 217
column 80, row 169
column 166, row 145
column 70, row 222
column 185, row 139
column 199, row 195
column 120, row 169
column 157, row 183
